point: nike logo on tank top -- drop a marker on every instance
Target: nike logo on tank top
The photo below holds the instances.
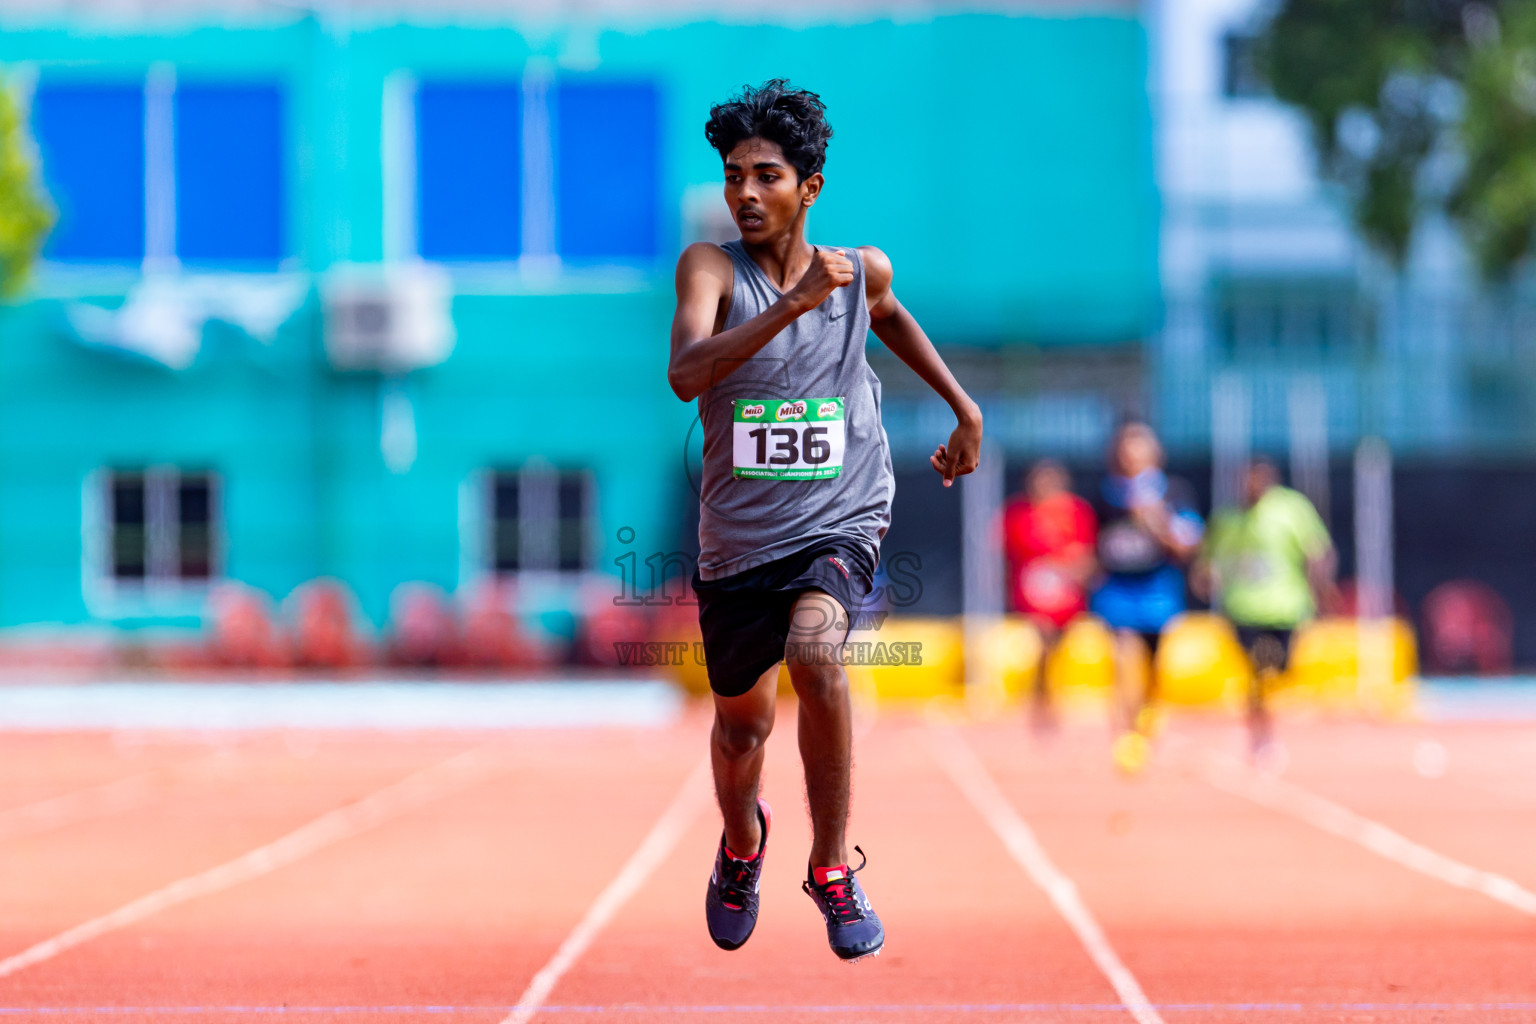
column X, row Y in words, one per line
column 794, row 452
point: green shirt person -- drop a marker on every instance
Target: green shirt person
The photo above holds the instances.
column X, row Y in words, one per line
column 1270, row 561
column 1267, row 567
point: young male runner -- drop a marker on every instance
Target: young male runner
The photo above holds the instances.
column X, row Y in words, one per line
column 1148, row 531
column 1049, row 535
column 796, row 489
column 1268, row 566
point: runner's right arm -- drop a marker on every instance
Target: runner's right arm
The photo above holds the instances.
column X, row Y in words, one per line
column 700, row 357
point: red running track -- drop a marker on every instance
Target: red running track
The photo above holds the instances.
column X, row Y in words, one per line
column 442, row 900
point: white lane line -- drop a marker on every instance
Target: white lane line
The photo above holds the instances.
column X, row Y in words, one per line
column 410, row 793
column 97, row 801
column 669, row 828
column 80, row 805
column 1232, row 777
column 970, row 776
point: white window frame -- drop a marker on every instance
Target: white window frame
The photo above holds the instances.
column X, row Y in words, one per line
column 162, row 591
column 538, row 267
column 160, row 257
column 477, row 525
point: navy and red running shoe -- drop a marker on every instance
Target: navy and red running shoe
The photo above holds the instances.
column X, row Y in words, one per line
column 730, row 906
column 853, row 930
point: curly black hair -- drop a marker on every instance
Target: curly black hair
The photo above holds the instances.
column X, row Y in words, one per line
column 778, row 112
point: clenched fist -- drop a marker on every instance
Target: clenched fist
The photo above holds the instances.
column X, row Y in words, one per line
column 961, row 455
column 830, row 269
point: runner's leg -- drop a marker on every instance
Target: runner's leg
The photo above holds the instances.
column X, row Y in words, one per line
column 1043, row 713
column 1135, row 681
column 1132, row 675
column 818, row 627
column 1259, row 729
column 742, row 725
column 1268, row 653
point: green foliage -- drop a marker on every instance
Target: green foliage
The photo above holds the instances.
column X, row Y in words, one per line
column 25, row 216
column 1497, row 200
column 1419, row 103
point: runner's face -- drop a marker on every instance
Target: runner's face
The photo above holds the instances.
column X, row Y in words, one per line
column 763, row 191
column 1138, row 451
column 1260, row 479
column 1045, row 482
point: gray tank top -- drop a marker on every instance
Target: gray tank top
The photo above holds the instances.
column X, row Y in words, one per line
column 745, row 522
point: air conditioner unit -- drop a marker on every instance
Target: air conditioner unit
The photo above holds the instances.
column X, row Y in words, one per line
column 387, row 319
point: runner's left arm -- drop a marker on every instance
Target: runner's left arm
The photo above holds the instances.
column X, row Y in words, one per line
column 1322, row 560
column 900, row 332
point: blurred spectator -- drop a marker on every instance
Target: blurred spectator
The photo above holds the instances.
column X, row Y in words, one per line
column 1148, row 531
column 1268, row 567
column 323, row 616
column 608, row 633
column 423, row 628
column 243, row 630
column 493, row 637
column 1048, row 537
column 680, row 616
column 1467, row 627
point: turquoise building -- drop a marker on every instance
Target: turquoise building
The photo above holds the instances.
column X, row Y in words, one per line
column 389, row 300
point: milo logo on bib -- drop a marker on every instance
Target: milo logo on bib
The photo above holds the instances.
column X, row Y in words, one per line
column 788, row 439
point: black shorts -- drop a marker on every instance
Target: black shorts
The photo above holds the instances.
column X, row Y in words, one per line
column 1267, row 646
column 745, row 616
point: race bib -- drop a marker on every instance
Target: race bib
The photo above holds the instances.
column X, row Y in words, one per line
column 1128, row 547
column 1254, row 569
column 788, row 439
column 1047, row 588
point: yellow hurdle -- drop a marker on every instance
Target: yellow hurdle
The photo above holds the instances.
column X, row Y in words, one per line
column 1081, row 668
column 1199, row 663
column 1346, row 664
column 941, row 672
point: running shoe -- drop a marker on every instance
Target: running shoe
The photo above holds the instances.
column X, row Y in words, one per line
column 853, row 930
column 1130, row 752
column 730, row 906
column 1150, row 721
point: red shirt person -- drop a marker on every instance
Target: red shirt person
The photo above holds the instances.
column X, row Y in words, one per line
column 1049, row 535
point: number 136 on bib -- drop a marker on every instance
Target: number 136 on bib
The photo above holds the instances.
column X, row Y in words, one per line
column 788, row 439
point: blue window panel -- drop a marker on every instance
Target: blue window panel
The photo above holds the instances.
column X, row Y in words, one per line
column 469, row 170
column 229, row 173
column 91, row 141
column 607, row 158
